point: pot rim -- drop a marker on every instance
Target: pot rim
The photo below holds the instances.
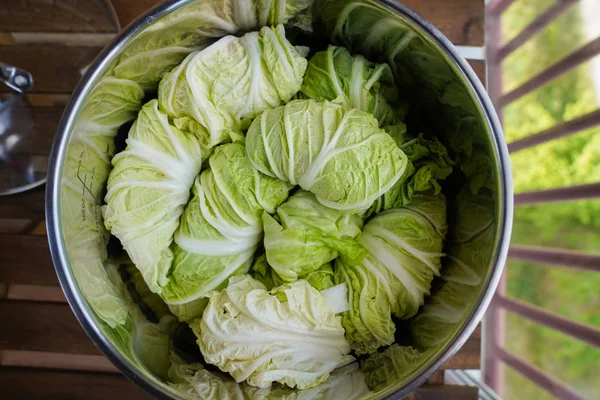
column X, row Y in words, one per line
column 95, row 72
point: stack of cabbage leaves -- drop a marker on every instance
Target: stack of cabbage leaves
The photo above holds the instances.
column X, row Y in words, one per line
column 270, row 201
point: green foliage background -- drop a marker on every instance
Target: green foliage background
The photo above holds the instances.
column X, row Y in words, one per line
column 571, row 225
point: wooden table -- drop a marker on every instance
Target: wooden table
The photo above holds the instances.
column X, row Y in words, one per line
column 44, row 353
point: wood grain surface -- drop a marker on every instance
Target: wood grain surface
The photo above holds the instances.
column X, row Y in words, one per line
column 460, row 20
column 42, row 327
column 44, row 352
column 445, row 392
column 21, row 383
column 480, row 69
column 128, row 10
column 20, row 213
column 60, row 385
column 58, row 16
column 46, row 62
column 26, row 259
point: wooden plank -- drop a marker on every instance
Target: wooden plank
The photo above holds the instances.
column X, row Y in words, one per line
column 585, row 332
column 562, row 257
column 469, row 356
column 43, row 293
column 48, row 99
column 55, row 68
column 497, row 7
column 15, row 225
column 437, row 378
column 542, row 379
column 49, row 327
column 39, row 229
column 27, row 383
column 60, row 38
column 57, row 16
column 22, row 383
column 26, row 259
column 479, row 66
column 42, row 359
column 568, row 193
column 128, row 10
column 462, row 21
column 6, row 38
column 20, row 213
column 446, row 392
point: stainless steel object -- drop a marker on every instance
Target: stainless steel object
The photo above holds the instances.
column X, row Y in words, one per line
column 16, row 78
column 23, row 164
column 480, row 197
column 20, row 169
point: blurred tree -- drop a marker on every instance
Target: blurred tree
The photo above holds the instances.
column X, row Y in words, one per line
column 574, row 225
column 567, row 161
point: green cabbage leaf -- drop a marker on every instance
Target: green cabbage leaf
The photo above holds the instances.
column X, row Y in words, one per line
column 111, row 103
column 151, row 304
column 393, row 365
column 145, row 337
column 429, row 166
column 407, row 244
column 337, row 153
column 347, row 383
column 353, row 81
column 148, row 189
column 417, row 65
column 221, row 226
column 368, row 322
column 193, row 381
column 305, row 234
column 220, row 89
column 471, row 248
column 404, row 255
column 166, row 43
column 188, row 311
column 289, row 335
column 320, row 279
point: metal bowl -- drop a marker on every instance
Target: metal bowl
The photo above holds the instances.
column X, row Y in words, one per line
column 479, row 192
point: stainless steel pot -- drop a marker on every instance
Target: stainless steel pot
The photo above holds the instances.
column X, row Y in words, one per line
column 427, row 67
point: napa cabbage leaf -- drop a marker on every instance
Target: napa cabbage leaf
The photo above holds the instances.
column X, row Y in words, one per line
column 221, row 226
column 220, row 89
column 111, row 103
column 305, row 234
column 354, row 81
column 337, row 153
column 164, row 44
column 404, row 255
column 148, row 189
column 289, row 335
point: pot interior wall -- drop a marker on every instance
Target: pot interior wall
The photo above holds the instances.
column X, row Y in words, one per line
column 442, row 103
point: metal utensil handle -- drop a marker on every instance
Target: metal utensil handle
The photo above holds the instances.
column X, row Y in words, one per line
column 16, row 78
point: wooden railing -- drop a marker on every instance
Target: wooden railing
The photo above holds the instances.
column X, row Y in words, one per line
column 495, row 353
